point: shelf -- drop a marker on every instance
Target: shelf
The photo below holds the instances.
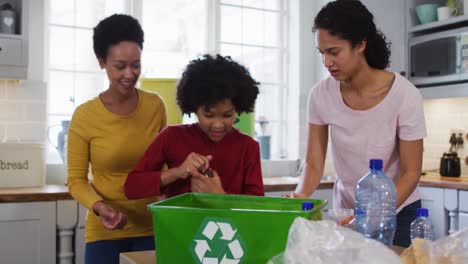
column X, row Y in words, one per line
column 438, row 24
column 445, row 91
column 11, row 36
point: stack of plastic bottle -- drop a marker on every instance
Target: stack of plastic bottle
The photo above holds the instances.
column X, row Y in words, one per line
column 376, row 205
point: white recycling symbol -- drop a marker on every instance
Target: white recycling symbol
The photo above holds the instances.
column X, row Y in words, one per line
column 227, row 234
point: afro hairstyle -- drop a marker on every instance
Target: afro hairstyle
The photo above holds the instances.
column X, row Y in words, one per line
column 114, row 29
column 212, row 79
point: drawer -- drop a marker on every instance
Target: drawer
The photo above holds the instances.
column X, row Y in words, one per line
column 463, row 201
column 11, row 52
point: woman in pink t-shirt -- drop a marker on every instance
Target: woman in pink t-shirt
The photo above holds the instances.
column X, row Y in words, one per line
column 369, row 112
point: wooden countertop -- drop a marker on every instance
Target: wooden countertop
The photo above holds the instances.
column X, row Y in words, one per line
column 272, row 184
column 433, row 179
column 35, row 194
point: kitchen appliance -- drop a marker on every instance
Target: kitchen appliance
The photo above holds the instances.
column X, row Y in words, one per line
column 450, row 165
column 439, row 58
column 60, row 138
column 7, row 19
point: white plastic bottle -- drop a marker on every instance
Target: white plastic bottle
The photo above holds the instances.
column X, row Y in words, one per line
column 422, row 227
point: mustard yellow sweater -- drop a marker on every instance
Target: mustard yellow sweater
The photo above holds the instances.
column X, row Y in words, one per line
column 112, row 145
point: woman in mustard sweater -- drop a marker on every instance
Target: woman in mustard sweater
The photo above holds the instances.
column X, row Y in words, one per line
column 111, row 133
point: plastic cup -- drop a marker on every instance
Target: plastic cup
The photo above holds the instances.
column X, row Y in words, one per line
column 341, row 216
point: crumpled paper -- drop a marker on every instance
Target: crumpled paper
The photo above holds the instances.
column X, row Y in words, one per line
column 325, row 242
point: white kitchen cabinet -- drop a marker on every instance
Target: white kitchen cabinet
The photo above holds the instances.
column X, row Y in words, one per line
column 433, row 199
column 463, row 210
column 462, row 220
column 28, row 233
column 14, row 47
column 389, row 17
column 67, row 218
column 463, row 198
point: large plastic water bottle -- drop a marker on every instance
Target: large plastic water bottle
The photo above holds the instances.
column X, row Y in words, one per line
column 422, row 227
column 376, row 205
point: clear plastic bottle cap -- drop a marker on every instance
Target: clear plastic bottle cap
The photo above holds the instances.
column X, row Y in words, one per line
column 375, row 164
column 422, row 212
column 306, row 206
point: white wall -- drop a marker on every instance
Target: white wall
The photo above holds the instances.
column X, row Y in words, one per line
column 309, row 70
column 305, row 68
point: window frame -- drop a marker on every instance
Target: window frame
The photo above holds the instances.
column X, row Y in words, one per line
column 283, row 49
column 213, row 46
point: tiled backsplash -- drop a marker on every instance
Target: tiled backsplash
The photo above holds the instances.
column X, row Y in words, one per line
column 442, row 117
column 23, row 111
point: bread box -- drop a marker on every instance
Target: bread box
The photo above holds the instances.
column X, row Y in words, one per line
column 22, row 164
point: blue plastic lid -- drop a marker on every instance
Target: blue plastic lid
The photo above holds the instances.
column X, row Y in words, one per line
column 306, row 206
column 375, row 164
column 422, row 212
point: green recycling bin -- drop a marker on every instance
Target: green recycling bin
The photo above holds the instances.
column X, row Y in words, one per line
column 213, row 228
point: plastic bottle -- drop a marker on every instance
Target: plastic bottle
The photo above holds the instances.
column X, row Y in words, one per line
column 422, row 227
column 376, row 205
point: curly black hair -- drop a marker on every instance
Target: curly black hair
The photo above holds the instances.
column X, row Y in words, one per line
column 114, row 29
column 352, row 21
column 209, row 80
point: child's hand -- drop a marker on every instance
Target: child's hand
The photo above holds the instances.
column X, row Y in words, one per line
column 204, row 184
column 193, row 165
column 110, row 218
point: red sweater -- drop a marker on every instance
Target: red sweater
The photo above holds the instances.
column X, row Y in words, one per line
column 236, row 158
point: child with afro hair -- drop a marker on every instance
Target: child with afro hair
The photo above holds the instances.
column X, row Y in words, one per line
column 209, row 156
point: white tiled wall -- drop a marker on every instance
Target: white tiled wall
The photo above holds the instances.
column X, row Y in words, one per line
column 442, row 117
column 23, row 111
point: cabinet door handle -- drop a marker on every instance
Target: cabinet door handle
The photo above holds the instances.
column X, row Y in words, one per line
column 1, row 48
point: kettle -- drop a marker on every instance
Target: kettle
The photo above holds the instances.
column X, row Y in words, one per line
column 450, row 165
column 61, row 138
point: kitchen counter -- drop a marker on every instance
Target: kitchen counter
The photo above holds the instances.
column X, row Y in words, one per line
column 272, row 184
column 430, row 179
column 276, row 184
column 433, row 179
column 34, row 194
column 60, row 192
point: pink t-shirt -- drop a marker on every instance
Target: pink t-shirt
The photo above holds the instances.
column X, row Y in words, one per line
column 358, row 136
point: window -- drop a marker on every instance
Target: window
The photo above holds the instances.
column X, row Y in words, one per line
column 250, row 31
column 74, row 73
column 175, row 33
column 253, row 32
